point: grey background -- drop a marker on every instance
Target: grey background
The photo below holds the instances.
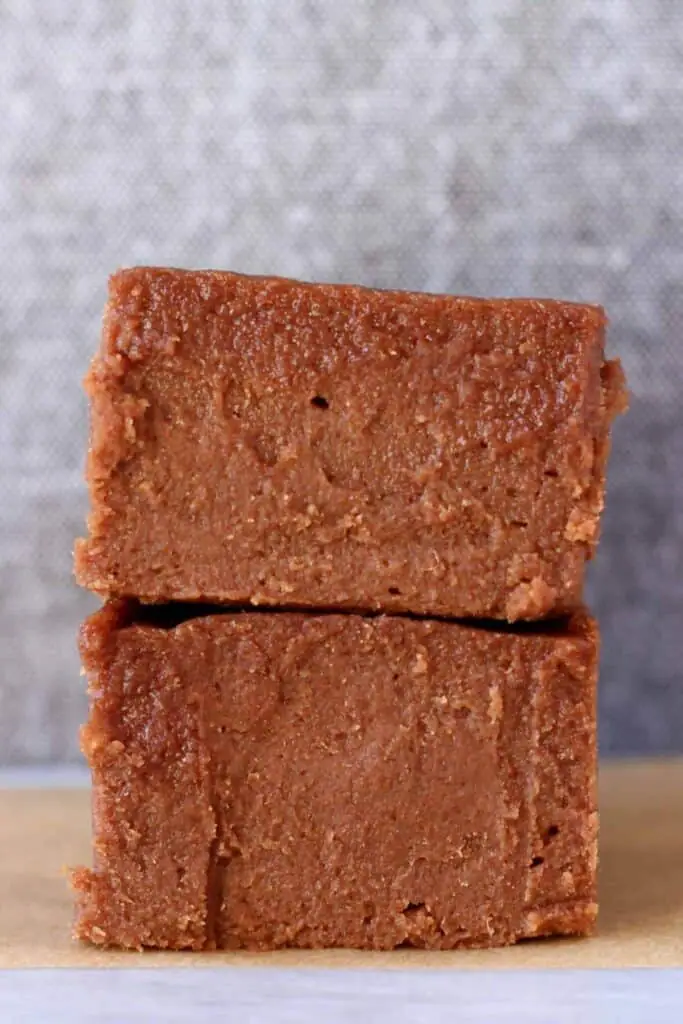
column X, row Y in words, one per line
column 493, row 147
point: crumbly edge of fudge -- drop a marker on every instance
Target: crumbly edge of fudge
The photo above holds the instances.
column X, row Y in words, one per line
column 162, row 901
column 606, row 399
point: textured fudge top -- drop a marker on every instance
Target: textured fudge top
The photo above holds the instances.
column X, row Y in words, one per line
column 267, row 441
column 281, row 779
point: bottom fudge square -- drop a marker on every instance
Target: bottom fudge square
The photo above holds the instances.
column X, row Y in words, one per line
column 273, row 779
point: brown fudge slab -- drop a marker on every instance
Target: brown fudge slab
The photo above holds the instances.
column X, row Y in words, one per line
column 266, row 441
column 275, row 779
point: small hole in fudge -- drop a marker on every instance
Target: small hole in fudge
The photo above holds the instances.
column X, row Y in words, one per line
column 536, row 862
column 550, row 472
column 522, row 523
column 462, row 712
column 483, row 444
column 412, row 908
column 552, row 831
column 320, row 402
column 394, row 591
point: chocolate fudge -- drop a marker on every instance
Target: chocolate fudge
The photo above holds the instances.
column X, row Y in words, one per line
column 276, row 779
column 262, row 441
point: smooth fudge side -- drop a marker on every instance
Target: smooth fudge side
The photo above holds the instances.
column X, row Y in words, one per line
column 268, row 442
column 268, row 780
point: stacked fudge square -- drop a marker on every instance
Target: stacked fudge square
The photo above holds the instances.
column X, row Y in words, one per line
column 342, row 688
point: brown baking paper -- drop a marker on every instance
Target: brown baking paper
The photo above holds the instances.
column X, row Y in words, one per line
column 641, row 889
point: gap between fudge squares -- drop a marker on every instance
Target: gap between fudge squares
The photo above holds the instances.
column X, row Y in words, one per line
column 170, row 614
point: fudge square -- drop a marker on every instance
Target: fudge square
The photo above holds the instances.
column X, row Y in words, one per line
column 273, row 779
column 258, row 440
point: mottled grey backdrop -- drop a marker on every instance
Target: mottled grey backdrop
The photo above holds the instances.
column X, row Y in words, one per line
column 489, row 146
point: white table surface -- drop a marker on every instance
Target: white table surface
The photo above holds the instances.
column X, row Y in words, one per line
column 275, row 996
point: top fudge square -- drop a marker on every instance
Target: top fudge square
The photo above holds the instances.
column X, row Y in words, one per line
column 261, row 441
